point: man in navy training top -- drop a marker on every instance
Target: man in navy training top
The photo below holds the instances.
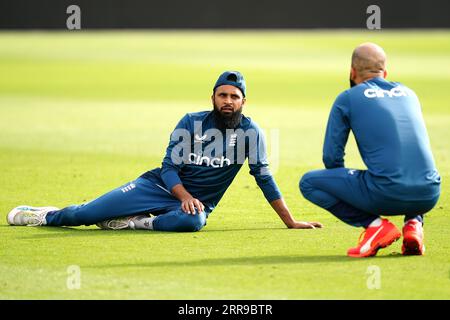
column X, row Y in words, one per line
column 205, row 153
column 401, row 177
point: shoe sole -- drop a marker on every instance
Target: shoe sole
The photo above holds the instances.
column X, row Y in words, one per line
column 384, row 242
column 412, row 247
column 13, row 212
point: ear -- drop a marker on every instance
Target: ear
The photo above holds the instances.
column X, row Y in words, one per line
column 243, row 101
column 212, row 98
column 353, row 73
column 385, row 73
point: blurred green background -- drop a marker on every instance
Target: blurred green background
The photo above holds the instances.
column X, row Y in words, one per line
column 84, row 112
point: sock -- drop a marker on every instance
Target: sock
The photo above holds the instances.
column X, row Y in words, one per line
column 412, row 220
column 376, row 223
column 143, row 222
column 418, row 217
column 351, row 215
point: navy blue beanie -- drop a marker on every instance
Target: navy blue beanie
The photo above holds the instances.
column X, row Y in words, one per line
column 232, row 78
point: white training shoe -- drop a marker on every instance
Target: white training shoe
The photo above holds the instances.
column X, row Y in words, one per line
column 117, row 224
column 141, row 222
column 28, row 216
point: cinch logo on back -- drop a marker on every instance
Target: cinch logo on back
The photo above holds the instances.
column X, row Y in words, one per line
column 380, row 93
column 210, row 162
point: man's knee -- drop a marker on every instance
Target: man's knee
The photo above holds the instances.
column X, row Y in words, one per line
column 192, row 223
column 305, row 185
column 179, row 221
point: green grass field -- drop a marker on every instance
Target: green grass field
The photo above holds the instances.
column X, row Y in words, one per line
column 84, row 112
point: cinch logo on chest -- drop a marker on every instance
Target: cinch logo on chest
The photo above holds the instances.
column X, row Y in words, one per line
column 209, row 162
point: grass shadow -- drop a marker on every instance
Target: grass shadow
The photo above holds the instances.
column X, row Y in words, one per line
column 61, row 232
column 241, row 261
column 57, row 232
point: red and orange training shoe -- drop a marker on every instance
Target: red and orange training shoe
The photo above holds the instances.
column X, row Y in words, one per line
column 375, row 238
column 413, row 238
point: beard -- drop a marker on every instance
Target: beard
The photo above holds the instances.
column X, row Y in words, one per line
column 227, row 121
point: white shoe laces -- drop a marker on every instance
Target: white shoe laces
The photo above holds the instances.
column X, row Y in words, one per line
column 38, row 217
column 118, row 224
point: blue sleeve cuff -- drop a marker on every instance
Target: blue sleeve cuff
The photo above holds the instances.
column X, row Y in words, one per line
column 270, row 189
column 331, row 163
column 273, row 196
column 170, row 178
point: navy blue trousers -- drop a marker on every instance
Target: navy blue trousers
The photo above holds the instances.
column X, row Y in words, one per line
column 345, row 194
column 141, row 196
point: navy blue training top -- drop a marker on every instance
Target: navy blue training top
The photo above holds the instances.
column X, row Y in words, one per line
column 205, row 160
column 386, row 120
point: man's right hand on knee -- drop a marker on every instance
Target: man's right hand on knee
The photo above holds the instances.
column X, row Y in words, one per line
column 188, row 202
column 189, row 205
